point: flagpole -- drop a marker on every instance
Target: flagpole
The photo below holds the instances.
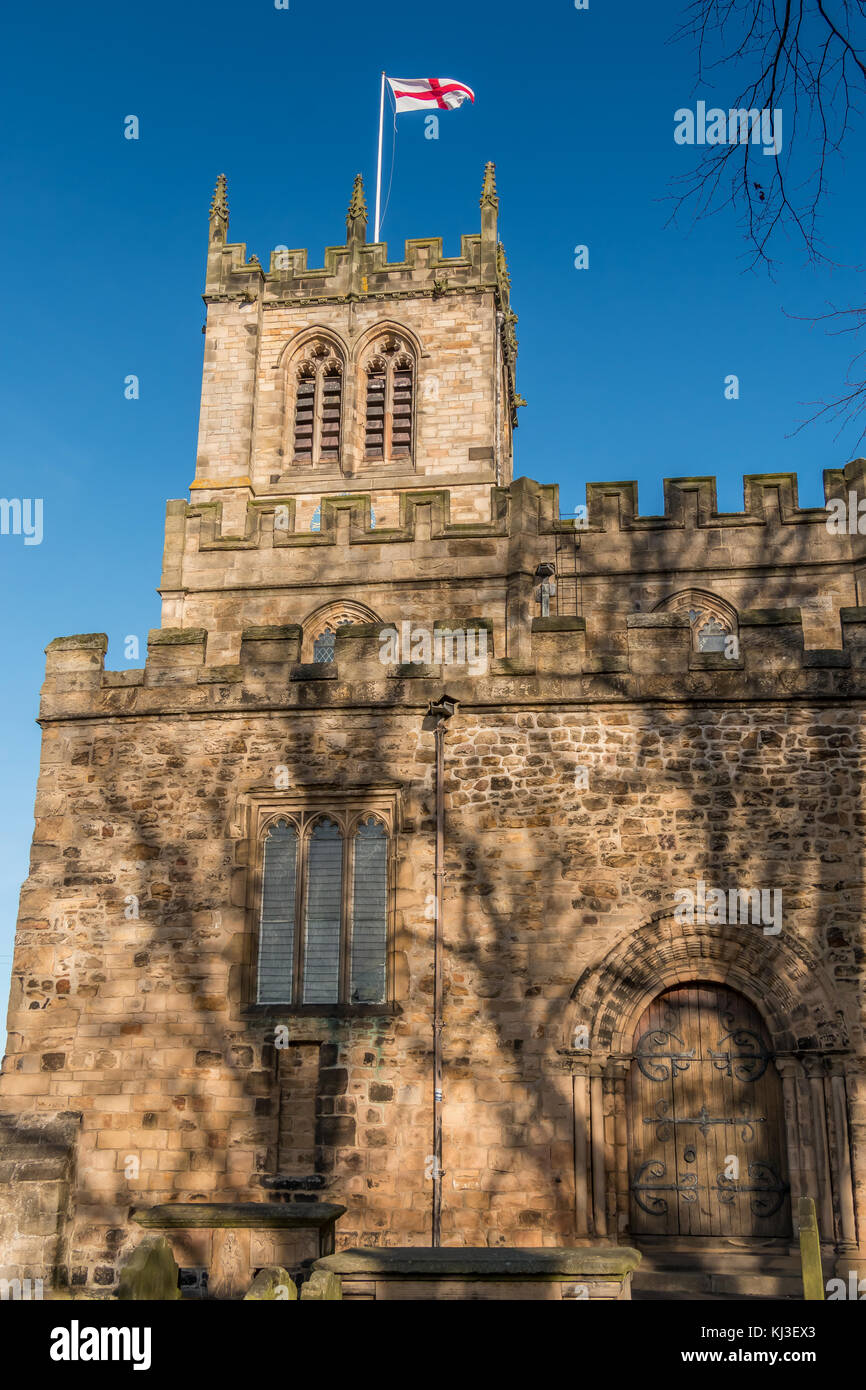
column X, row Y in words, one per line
column 379, row 169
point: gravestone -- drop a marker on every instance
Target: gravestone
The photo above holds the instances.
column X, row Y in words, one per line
column 323, row 1286
column 150, row 1273
column 272, row 1282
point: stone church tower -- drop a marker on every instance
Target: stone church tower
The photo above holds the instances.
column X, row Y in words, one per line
column 650, row 900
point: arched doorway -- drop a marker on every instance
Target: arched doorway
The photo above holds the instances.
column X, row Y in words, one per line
column 707, row 1152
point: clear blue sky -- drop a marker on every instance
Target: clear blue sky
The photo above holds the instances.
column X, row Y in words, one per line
column 104, row 240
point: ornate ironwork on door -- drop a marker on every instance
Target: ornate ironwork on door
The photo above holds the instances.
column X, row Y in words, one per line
column 707, row 1152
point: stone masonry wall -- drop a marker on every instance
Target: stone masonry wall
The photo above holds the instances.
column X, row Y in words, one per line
column 141, row 1026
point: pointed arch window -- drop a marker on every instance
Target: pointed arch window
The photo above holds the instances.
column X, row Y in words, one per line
column 319, row 641
column 390, row 404
column 369, row 913
column 324, row 909
column 713, row 621
column 277, row 930
column 318, row 423
column 323, row 917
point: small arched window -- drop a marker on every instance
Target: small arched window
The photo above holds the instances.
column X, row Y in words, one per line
column 388, row 429
column 318, row 405
column 712, row 635
column 319, row 641
column 712, row 620
column 325, row 645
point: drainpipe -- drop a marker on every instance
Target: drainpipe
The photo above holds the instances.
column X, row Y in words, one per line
column 441, row 710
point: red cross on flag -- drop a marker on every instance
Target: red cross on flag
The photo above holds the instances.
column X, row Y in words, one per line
column 428, row 93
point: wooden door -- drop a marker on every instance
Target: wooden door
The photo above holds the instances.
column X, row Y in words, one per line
column 707, row 1152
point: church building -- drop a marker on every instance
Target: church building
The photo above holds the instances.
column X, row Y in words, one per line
column 454, row 869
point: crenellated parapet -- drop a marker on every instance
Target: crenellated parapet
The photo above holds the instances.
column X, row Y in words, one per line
column 610, row 535
column 380, row 666
column 358, row 268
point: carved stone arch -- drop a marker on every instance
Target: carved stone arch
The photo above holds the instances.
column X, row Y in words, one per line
column 325, row 817
column 328, row 618
column 779, row 975
column 278, row 818
column 295, row 346
column 364, row 344
column 711, row 618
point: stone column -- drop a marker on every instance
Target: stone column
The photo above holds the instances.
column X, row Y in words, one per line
column 789, row 1070
column 596, row 1103
column 581, row 1146
column 815, row 1071
column 576, row 1061
column 617, row 1071
column 854, row 1070
column 845, row 1186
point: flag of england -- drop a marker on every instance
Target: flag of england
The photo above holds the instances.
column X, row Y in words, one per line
column 428, row 93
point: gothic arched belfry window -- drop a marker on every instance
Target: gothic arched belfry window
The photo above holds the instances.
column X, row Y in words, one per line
column 317, row 430
column 390, row 373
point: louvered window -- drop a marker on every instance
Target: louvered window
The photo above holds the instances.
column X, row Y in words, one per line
column 332, row 396
column 277, row 931
column 305, row 414
column 374, row 440
column 318, row 406
column 389, row 404
column 323, row 919
column 401, row 429
column 369, row 914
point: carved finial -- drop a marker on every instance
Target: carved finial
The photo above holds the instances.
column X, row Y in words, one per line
column 489, row 196
column 219, row 211
column 219, row 204
column 358, row 206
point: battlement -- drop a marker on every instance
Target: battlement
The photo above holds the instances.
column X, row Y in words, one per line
column 770, row 500
column 424, row 270
column 769, row 662
column 357, row 269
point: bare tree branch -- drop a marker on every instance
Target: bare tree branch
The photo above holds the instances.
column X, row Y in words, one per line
column 800, row 57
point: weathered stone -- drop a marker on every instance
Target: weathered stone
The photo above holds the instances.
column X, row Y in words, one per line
column 150, row 1273
column 273, row 1282
column 323, row 1286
